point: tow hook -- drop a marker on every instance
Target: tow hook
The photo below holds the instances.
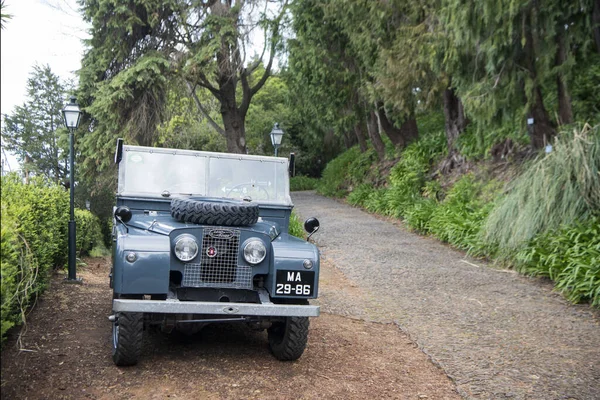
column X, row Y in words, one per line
column 112, row 318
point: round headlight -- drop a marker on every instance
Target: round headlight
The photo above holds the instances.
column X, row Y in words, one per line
column 254, row 251
column 186, row 248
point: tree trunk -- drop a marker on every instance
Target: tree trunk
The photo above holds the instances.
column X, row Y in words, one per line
column 373, row 130
column 235, row 131
column 400, row 137
column 233, row 118
column 349, row 140
column 565, row 111
column 360, row 136
column 455, row 117
column 390, row 130
column 542, row 129
column 409, row 130
column 596, row 23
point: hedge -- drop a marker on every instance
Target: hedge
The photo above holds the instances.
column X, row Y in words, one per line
column 34, row 240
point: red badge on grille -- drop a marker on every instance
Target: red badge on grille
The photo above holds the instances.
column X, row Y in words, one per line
column 211, row 252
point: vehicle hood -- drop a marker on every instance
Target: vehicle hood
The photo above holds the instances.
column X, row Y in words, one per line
column 164, row 225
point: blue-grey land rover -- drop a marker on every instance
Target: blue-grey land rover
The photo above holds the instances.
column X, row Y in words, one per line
column 202, row 237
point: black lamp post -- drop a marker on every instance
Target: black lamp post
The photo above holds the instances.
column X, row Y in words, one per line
column 72, row 114
column 276, row 136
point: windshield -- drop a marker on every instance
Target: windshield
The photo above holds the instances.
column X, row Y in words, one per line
column 155, row 172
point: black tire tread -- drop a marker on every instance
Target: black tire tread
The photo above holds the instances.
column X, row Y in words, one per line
column 291, row 346
column 131, row 329
column 214, row 213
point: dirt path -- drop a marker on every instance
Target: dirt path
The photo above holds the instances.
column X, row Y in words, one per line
column 496, row 333
column 67, row 354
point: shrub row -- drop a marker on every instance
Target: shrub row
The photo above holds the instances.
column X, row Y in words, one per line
column 299, row 182
column 34, row 240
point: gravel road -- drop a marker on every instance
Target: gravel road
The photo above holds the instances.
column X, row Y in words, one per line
column 495, row 333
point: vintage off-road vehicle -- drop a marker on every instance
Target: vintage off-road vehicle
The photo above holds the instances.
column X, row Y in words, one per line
column 202, row 237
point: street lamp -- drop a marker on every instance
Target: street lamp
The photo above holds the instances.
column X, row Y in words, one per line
column 72, row 114
column 276, row 136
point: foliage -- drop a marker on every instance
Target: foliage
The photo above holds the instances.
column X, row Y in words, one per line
column 34, row 240
column 299, row 182
column 506, row 56
column 459, row 218
column 296, row 227
column 409, row 175
column 322, row 73
column 19, row 271
column 476, row 142
column 570, row 256
column 586, row 90
column 89, row 236
column 335, row 175
column 35, row 131
column 419, row 214
column 41, row 213
column 556, row 189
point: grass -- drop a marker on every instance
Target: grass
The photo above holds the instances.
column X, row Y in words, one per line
column 296, row 227
column 299, row 182
column 557, row 189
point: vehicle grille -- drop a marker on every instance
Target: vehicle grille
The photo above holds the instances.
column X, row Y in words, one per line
column 218, row 263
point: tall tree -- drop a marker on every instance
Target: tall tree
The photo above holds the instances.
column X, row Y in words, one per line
column 35, row 131
column 138, row 48
column 504, row 55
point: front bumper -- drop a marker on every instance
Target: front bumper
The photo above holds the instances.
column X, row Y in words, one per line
column 214, row 308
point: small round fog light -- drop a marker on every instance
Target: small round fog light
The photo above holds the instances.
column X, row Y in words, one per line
column 131, row 257
column 307, row 264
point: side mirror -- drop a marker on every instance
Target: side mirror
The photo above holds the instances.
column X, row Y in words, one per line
column 311, row 225
column 123, row 214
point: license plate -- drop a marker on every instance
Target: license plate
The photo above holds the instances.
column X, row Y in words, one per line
column 294, row 283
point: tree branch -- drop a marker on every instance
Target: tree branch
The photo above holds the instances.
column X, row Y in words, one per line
column 212, row 122
column 274, row 41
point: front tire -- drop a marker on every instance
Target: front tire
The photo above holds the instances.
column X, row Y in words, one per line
column 128, row 331
column 287, row 339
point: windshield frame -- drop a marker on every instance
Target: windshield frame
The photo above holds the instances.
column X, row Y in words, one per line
column 244, row 164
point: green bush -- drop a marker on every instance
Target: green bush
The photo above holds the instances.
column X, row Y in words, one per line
column 377, row 202
column 360, row 195
column 41, row 213
column 556, row 189
column 299, row 182
column 296, row 227
column 409, row 176
column 570, row 257
column 459, row 219
column 476, row 142
column 34, row 240
column 418, row 215
column 18, row 272
column 89, row 235
column 333, row 182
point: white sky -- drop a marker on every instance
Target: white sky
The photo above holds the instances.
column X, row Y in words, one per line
column 40, row 31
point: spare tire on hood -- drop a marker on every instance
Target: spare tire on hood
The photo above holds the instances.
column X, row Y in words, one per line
column 214, row 211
